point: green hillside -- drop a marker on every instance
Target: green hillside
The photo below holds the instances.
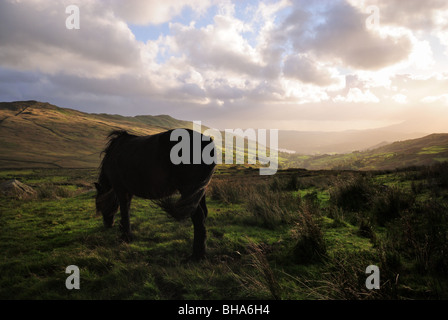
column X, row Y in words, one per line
column 36, row 134
column 41, row 135
column 417, row 152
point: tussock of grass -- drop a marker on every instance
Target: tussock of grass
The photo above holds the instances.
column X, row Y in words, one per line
column 260, row 277
column 352, row 193
column 310, row 244
column 271, row 208
column 53, row 191
column 228, row 191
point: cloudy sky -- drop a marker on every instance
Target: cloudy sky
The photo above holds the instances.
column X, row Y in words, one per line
column 318, row 65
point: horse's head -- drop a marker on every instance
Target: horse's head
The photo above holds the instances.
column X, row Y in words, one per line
column 107, row 203
column 97, row 186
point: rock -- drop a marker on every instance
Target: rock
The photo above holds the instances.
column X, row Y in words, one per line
column 16, row 189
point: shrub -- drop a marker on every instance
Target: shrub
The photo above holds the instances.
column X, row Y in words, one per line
column 276, row 185
column 421, row 235
column 353, row 193
column 337, row 214
column 366, row 230
column 312, row 201
column 293, row 183
column 438, row 173
column 390, row 204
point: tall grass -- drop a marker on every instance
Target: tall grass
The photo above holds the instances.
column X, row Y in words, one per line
column 310, row 243
column 228, row 191
column 265, row 202
column 271, row 208
column 344, row 278
column 261, row 278
column 53, row 191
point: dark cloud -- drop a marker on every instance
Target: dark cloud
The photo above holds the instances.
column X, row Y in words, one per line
column 35, row 37
column 304, row 69
column 413, row 14
column 338, row 33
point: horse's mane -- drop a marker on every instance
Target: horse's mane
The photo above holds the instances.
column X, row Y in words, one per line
column 117, row 134
column 114, row 136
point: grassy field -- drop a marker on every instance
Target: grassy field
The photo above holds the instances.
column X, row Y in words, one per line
column 296, row 235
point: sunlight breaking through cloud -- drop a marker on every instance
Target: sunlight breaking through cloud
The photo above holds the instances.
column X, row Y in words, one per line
column 218, row 61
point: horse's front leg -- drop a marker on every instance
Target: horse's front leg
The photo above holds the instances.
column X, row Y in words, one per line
column 200, row 234
column 125, row 225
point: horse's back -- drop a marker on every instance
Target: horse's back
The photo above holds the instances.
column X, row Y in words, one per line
column 141, row 165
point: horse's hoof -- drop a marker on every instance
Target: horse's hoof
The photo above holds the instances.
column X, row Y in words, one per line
column 108, row 225
column 195, row 258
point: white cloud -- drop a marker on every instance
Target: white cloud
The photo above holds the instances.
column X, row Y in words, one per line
column 338, row 34
column 220, row 46
column 155, row 11
column 400, row 98
column 436, row 99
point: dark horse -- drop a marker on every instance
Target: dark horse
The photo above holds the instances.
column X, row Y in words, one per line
column 141, row 166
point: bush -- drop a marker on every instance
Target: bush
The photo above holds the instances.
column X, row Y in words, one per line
column 366, row 230
column 293, row 183
column 390, row 204
column 353, row 193
column 421, row 235
column 438, row 173
column 276, row 185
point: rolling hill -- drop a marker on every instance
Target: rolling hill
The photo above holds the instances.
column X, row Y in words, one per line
column 416, row 152
column 314, row 143
column 37, row 134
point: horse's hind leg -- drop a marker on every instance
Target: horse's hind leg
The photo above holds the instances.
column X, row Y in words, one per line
column 125, row 225
column 200, row 233
column 204, row 206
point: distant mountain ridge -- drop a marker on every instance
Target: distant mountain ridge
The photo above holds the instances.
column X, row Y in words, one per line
column 427, row 150
column 314, row 143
